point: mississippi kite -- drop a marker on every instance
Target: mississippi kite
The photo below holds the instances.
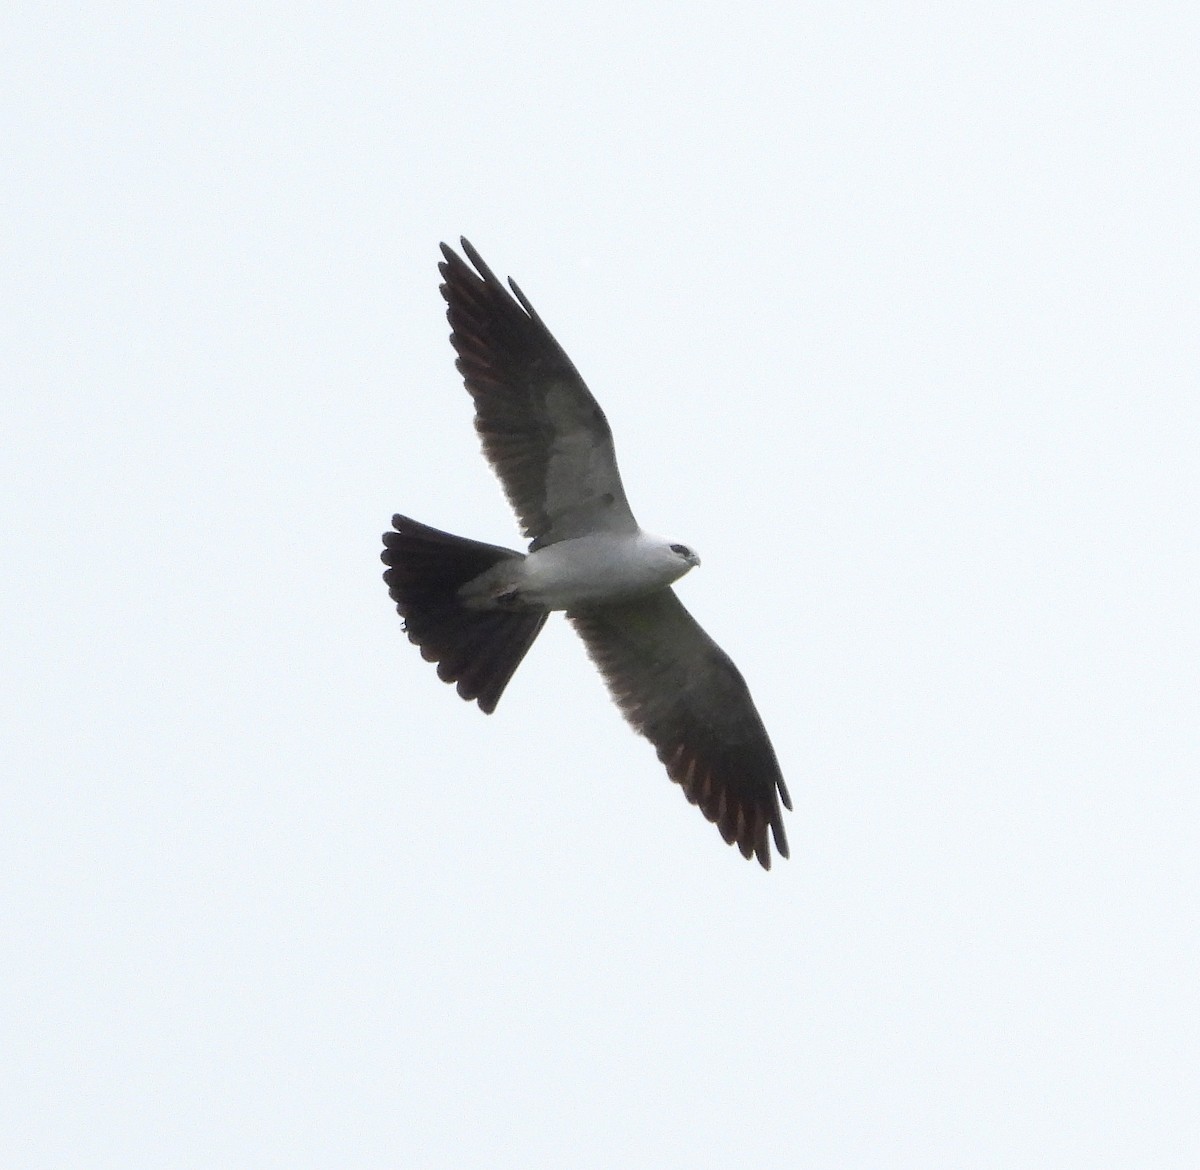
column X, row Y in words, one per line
column 475, row 609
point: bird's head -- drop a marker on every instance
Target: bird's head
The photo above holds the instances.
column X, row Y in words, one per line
column 666, row 560
column 685, row 554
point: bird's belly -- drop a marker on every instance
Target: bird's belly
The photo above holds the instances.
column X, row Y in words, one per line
column 591, row 570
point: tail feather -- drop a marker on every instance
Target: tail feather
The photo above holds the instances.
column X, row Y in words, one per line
column 477, row 649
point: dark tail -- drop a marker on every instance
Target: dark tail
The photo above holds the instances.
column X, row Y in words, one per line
column 476, row 648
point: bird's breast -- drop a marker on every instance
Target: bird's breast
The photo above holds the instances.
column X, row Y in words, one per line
column 595, row 569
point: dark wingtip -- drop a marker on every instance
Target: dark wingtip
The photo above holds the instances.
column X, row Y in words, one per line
column 523, row 299
column 470, row 252
column 455, row 269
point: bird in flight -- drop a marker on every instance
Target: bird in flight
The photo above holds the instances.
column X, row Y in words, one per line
column 475, row 609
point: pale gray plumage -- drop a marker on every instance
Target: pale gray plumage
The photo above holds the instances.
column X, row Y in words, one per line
column 475, row 609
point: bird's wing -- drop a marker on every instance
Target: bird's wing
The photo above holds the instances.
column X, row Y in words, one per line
column 543, row 432
column 681, row 691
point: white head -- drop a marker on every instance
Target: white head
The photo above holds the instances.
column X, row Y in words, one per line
column 673, row 558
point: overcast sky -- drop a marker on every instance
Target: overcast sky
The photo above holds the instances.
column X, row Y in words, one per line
column 895, row 312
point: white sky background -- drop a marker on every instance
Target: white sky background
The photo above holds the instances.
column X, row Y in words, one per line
column 894, row 311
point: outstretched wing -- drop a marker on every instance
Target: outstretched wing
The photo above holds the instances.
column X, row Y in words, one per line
column 543, row 432
column 682, row 692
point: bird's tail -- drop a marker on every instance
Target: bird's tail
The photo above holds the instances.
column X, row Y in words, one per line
column 479, row 649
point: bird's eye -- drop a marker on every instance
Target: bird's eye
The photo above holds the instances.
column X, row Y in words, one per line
column 681, row 549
